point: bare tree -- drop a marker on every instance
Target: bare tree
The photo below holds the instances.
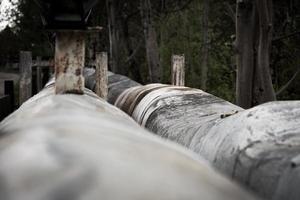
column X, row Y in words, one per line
column 253, row 41
column 152, row 52
column 263, row 88
column 245, row 25
column 114, row 36
column 205, row 46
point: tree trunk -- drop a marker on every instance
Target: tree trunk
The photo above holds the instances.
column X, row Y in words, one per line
column 133, row 67
column 114, row 37
column 263, row 88
column 245, row 25
column 254, row 35
column 152, row 52
column 205, row 46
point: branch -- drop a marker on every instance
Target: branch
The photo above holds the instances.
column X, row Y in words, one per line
column 230, row 11
column 288, row 83
column 133, row 53
column 285, row 36
column 178, row 9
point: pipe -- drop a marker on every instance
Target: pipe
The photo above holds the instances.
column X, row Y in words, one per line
column 116, row 83
column 258, row 147
column 80, row 147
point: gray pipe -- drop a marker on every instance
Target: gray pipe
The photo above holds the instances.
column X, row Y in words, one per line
column 78, row 147
column 116, row 83
column 259, row 147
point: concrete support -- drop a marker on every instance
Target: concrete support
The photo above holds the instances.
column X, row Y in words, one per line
column 69, row 62
column 178, row 73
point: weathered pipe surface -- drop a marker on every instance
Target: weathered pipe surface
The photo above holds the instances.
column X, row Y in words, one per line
column 116, row 83
column 80, row 147
column 259, row 147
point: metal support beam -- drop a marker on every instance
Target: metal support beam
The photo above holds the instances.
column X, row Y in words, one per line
column 69, row 62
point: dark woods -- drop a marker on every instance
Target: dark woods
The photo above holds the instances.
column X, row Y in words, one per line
column 242, row 50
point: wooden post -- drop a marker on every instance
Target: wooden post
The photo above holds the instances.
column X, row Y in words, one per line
column 101, row 75
column 38, row 74
column 178, row 73
column 9, row 90
column 25, row 64
column 51, row 67
column 69, row 62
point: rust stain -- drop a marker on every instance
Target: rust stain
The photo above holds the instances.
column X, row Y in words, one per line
column 79, row 82
column 65, row 69
column 74, row 92
column 78, row 72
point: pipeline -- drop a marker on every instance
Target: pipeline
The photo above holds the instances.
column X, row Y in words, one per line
column 116, row 83
column 259, row 147
column 65, row 143
column 80, row 147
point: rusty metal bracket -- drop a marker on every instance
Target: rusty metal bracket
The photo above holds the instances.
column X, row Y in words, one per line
column 69, row 61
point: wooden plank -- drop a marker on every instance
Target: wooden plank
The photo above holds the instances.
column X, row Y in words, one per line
column 42, row 63
column 178, row 72
column 25, row 63
column 38, row 75
column 9, row 90
column 5, row 106
column 101, row 75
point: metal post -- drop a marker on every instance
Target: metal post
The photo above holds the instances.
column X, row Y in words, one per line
column 101, row 75
column 38, row 74
column 25, row 64
column 178, row 73
column 69, row 62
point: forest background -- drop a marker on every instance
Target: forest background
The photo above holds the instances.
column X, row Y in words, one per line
column 142, row 35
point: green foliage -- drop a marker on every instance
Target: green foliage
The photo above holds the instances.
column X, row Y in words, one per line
column 27, row 31
column 179, row 29
column 180, row 33
column 285, row 60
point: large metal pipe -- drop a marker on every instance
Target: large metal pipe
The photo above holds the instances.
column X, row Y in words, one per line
column 80, row 147
column 116, row 83
column 259, row 147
